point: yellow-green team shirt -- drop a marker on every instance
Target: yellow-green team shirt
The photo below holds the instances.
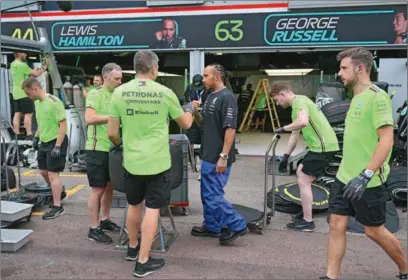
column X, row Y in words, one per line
column 144, row 107
column 261, row 102
column 48, row 113
column 98, row 140
column 318, row 134
column 369, row 110
column 19, row 72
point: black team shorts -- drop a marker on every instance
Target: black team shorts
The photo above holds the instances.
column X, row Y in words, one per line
column 24, row 105
column 314, row 163
column 154, row 189
column 97, row 168
column 370, row 210
column 46, row 161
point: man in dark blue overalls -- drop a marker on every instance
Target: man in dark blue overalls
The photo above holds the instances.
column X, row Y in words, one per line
column 219, row 119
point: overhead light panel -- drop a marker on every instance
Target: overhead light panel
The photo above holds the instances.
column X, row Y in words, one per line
column 288, row 72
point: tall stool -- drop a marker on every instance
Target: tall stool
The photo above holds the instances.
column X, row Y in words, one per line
column 164, row 238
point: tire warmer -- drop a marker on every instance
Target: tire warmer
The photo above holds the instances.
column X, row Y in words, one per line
column 218, row 212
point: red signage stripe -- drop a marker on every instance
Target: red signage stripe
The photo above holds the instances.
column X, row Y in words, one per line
column 147, row 10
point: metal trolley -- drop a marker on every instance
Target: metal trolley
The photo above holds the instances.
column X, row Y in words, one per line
column 270, row 169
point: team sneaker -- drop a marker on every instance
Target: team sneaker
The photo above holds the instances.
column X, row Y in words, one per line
column 302, row 225
column 152, row 265
column 133, row 253
column 402, row 276
column 108, row 225
column 54, row 212
column 97, row 234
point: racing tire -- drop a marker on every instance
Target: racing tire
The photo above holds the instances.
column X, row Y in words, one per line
column 397, row 184
column 11, row 177
column 336, row 112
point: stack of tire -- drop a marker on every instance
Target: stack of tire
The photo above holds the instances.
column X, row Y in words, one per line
column 336, row 113
column 397, row 185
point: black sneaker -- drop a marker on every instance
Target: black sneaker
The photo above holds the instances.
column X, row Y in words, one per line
column 203, row 232
column 229, row 236
column 302, row 225
column 152, row 265
column 96, row 234
column 53, row 213
column 108, row 225
column 133, row 253
column 402, row 276
column 324, row 277
column 297, row 216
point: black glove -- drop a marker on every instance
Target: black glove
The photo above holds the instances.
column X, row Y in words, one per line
column 280, row 130
column 283, row 163
column 189, row 108
column 354, row 189
column 35, row 143
column 56, row 152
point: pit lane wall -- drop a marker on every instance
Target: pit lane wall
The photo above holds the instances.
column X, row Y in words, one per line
column 219, row 25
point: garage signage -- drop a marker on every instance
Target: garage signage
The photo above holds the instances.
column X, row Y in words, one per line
column 102, row 34
column 330, row 28
column 279, row 30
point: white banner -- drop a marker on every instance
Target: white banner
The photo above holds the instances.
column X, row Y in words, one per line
column 394, row 72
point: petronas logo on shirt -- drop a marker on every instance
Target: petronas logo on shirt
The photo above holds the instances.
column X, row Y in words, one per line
column 142, row 83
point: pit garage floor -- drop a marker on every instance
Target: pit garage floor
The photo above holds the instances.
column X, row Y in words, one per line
column 59, row 249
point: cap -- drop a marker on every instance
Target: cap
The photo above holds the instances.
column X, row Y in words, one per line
column 197, row 82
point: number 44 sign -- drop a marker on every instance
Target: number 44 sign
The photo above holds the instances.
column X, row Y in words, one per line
column 27, row 35
column 229, row 30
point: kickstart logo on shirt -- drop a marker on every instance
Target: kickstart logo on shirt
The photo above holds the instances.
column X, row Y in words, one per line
column 132, row 112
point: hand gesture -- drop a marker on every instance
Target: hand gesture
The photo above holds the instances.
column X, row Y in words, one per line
column 158, row 35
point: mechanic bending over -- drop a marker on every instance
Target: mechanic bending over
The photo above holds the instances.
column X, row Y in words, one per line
column 97, row 154
column 219, row 119
column 52, row 128
column 143, row 107
column 22, row 104
column 359, row 189
column 320, row 139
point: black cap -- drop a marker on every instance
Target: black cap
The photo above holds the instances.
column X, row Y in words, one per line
column 198, row 82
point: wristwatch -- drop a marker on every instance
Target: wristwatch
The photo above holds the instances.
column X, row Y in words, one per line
column 369, row 173
column 224, row 156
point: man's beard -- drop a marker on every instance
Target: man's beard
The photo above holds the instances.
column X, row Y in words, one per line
column 350, row 84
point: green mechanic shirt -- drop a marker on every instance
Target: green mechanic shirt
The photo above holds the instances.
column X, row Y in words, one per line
column 98, row 140
column 49, row 112
column 318, row 134
column 261, row 102
column 19, row 72
column 144, row 107
column 369, row 110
